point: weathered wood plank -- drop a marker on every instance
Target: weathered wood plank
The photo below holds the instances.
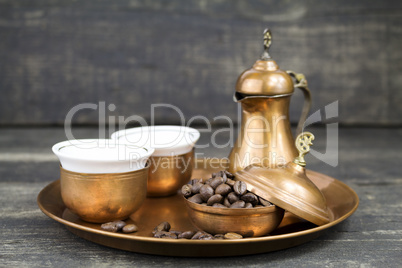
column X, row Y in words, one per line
column 363, row 153
column 55, row 55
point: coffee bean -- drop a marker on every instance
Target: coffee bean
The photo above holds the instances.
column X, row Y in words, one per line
column 159, row 234
column 175, row 232
column 206, row 192
column 171, row 236
column 196, row 199
column 219, row 205
column 166, row 235
column 264, row 202
column 238, row 204
column 110, row 227
column 229, row 175
column 186, row 190
column 200, row 235
column 233, row 197
column 216, row 198
column 240, row 187
column 206, row 236
column 248, row 205
column 186, row 235
column 194, row 181
column 250, row 198
column 162, row 227
column 197, row 235
column 233, row 236
column 225, row 178
column 130, row 228
column 226, row 202
column 216, row 182
column 219, row 237
column 218, row 174
column 119, row 224
column 223, row 189
column 196, row 188
column 222, row 175
column 230, row 182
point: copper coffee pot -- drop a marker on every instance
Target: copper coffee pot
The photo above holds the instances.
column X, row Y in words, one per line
column 264, row 92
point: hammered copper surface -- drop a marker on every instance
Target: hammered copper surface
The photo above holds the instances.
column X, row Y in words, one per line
column 342, row 201
column 168, row 173
column 250, row 222
column 264, row 92
column 103, row 197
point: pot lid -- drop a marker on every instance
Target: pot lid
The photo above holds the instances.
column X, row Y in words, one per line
column 265, row 78
column 289, row 187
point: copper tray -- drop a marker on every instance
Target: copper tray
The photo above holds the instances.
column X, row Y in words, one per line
column 342, row 201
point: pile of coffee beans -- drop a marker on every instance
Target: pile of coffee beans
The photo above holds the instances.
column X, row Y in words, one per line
column 163, row 230
column 221, row 190
column 116, row 226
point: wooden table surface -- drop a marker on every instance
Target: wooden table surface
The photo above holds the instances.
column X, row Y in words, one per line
column 370, row 161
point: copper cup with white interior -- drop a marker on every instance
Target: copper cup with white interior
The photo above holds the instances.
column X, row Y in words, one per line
column 172, row 163
column 102, row 180
column 167, row 174
column 104, row 197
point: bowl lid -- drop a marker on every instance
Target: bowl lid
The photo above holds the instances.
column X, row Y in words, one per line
column 289, row 187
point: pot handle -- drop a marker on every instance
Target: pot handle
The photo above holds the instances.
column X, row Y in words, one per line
column 301, row 83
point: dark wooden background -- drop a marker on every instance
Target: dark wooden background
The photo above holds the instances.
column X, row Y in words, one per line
column 57, row 54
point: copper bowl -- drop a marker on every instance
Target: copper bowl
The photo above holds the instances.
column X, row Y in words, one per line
column 245, row 221
column 104, row 197
column 167, row 174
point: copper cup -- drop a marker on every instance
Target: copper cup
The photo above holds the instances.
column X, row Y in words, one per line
column 167, row 174
column 104, row 197
column 245, row 221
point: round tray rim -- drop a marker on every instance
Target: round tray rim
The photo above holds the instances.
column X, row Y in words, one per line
column 50, row 187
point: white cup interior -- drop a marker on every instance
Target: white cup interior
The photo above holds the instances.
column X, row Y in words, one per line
column 101, row 156
column 166, row 140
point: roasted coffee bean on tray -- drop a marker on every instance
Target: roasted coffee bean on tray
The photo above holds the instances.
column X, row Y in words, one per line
column 110, row 227
column 130, row 228
column 116, row 226
column 120, row 224
column 164, row 232
column 162, row 227
column 223, row 191
column 186, row 235
column 233, row 236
